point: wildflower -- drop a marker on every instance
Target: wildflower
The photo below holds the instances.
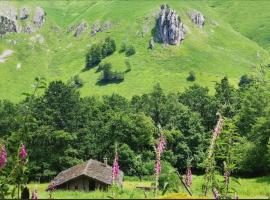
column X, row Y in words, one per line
column 188, row 178
column 226, row 176
column 3, row 157
column 22, row 153
column 115, row 169
column 157, row 167
column 161, row 144
column 159, row 150
column 34, row 195
column 218, row 127
column 215, row 193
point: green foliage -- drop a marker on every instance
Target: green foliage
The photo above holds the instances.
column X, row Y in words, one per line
column 245, row 81
column 103, row 66
column 227, row 97
column 130, row 50
column 109, row 76
column 93, row 56
column 168, row 180
column 191, row 76
column 108, row 47
column 75, row 82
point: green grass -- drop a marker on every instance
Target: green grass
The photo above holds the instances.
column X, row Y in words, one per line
column 220, row 49
column 248, row 188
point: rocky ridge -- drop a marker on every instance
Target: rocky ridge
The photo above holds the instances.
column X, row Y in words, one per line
column 11, row 18
column 197, row 18
column 169, row 27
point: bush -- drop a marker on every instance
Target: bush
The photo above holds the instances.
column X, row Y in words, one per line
column 102, row 66
column 168, row 180
column 130, row 50
column 108, row 47
column 245, row 80
column 75, row 82
column 122, row 48
column 191, row 76
column 109, row 76
column 94, row 56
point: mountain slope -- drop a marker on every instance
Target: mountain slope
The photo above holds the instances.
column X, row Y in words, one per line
column 214, row 51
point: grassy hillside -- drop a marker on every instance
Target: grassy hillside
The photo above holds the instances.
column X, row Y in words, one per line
column 220, row 48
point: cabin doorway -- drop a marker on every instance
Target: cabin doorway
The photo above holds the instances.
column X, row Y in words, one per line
column 91, row 185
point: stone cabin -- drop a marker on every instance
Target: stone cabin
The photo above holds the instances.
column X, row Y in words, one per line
column 87, row 176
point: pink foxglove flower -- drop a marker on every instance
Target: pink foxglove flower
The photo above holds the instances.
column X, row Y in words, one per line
column 226, row 176
column 22, row 153
column 219, row 125
column 215, row 193
column 159, row 150
column 188, row 177
column 115, row 169
column 3, row 157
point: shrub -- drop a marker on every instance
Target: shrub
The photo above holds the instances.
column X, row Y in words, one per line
column 109, row 76
column 245, row 80
column 102, row 66
column 122, row 48
column 130, row 50
column 191, row 76
column 168, row 180
column 108, row 47
column 75, row 82
column 94, row 56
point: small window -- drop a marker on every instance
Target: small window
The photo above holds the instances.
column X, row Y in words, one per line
column 76, row 187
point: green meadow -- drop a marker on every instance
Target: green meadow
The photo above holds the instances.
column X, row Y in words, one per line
column 248, row 188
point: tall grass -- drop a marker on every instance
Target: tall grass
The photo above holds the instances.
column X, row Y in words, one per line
column 247, row 188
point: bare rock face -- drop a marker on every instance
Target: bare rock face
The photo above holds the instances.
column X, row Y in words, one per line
column 11, row 19
column 169, row 28
column 23, row 13
column 7, row 26
column 197, row 18
column 100, row 28
column 80, row 28
column 39, row 17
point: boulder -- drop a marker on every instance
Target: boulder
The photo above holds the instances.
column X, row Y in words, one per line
column 7, row 26
column 39, row 17
column 23, row 13
column 80, row 28
column 169, row 27
column 197, row 18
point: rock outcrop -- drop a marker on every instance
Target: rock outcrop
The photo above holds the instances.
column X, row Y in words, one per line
column 23, row 13
column 197, row 18
column 80, row 28
column 11, row 20
column 7, row 26
column 100, row 28
column 39, row 17
column 169, row 27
